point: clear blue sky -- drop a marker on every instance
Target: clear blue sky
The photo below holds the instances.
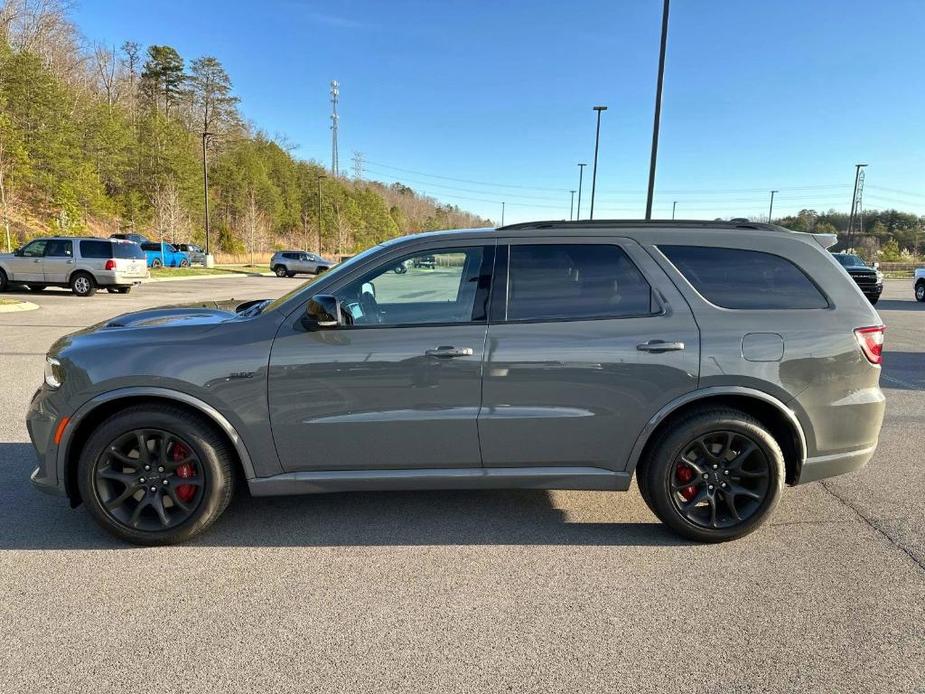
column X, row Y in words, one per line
column 783, row 95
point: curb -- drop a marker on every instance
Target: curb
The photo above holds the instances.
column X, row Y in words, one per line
column 18, row 306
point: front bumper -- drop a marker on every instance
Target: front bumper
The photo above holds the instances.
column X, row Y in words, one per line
column 41, row 420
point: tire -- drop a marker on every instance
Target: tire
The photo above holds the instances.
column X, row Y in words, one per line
column 99, row 479
column 758, row 477
column 280, row 271
column 919, row 290
column 4, row 282
column 184, row 263
column 322, row 269
column 119, row 290
column 156, row 264
column 83, row 284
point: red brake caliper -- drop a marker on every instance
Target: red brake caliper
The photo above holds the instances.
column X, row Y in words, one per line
column 185, row 492
column 685, row 473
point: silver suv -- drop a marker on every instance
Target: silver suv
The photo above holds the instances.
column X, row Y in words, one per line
column 289, row 263
column 715, row 362
column 83, row 264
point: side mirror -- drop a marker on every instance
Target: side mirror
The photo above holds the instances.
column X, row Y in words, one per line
column 324, row 311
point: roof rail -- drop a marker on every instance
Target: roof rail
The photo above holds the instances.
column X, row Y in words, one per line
column 668, row 223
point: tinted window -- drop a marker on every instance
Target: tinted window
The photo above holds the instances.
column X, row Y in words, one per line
column 735, row 278
column 36, row 249
column 403, row 293
column 574, row 281
column 128, row 250
column 151, row 246
column 96, row 249
column 59, row 249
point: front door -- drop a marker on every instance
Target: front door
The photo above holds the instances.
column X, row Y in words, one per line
column 587, row 341
column 400, row 386
column 27, row 266
column 59, row 260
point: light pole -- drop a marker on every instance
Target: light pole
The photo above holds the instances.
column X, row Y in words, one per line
column 674, row 206
column 771, row 206
column 597, row 139
column 581, row 173
column 571, row 206
column 205, row 187
column 658, row 109
column 502, row 214
column 320, row 217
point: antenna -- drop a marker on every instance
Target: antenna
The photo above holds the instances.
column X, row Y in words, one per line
column 335, row 93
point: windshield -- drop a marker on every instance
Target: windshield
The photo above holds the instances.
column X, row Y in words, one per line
column 336, row 270
column 848, row 260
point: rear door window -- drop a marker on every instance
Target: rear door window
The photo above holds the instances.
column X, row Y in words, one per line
column 59, row 248
column 574, row 281
column 96, row 249
column 744, row 279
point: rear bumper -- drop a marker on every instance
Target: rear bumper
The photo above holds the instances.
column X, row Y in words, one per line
column 110, row 278
column 822, row 466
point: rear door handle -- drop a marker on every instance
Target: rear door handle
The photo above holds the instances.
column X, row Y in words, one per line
column 660, row 346
column 448, row 352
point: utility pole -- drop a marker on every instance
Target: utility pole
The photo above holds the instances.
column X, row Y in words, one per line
column 597, row 139
column 335, row 93
column 674, row 206
column 855, row 201
column 320, row 217
column 658, row 109
column 581, row 173
column 571, row 207
column 771, row 206
column 358, row 165
column 502, row 214
column 205, row 189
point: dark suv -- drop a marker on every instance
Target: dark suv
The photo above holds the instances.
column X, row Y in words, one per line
column 717, row 362
column 869, row 279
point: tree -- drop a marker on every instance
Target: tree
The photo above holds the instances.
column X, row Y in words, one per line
column 255, row 226
column 163, row 76
column 210, row 88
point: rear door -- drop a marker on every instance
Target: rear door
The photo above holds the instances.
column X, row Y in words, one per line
column 59, row 260
column 28, row 265
column 588, row 339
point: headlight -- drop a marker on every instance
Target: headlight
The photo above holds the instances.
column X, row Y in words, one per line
column 879, row 276
column 54, row 374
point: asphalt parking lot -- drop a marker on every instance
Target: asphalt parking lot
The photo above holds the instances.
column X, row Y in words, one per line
column 465, row 591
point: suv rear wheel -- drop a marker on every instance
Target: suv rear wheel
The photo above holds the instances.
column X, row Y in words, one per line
column 280, row 271
column 715, row 475
column 4, row 283
column 920, row 291
column 155, row 474
column 83, row 284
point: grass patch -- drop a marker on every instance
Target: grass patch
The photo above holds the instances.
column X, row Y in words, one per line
column 9, row 302
column 157, row 273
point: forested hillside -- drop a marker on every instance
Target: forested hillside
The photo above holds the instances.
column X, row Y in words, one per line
column 97, row 139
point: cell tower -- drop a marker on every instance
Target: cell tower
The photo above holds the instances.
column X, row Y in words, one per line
column 856, row 217
column 335, row 93
column 358, row 165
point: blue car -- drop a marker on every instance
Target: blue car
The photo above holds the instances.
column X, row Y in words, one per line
column 164, row 255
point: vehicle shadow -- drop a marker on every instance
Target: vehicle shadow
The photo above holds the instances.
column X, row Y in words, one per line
column 898, row 305
column 30, row 520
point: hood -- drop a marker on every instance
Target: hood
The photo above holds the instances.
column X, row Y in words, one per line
column 200, row 313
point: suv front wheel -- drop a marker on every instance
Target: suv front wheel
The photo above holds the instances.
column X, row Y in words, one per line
column 155, row 474
column 920, row 291
column 715, row 475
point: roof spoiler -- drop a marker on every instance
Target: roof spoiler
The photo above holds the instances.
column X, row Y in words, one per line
column 826, row 240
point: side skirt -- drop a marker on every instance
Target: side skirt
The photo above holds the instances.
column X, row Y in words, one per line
column 324, row 481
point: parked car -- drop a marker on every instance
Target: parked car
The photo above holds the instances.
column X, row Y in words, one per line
column 289, row 263
column 83, row 264
column 869, row 279
column 919, row 284
column 137, row 238
column 197, row 256
column 699, row 357
column 425, row 261
column 164, row 255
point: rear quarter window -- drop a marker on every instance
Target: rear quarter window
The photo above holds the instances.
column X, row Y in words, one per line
column 96, row 249
column 743, row 279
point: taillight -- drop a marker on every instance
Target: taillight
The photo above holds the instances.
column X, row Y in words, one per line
column 871, row 342
column 110, row 264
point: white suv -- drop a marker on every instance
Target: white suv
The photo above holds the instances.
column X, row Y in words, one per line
column 83, row 264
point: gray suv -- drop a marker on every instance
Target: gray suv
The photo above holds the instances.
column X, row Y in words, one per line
column 83, row 264
column 289, row 263
column 716, row 362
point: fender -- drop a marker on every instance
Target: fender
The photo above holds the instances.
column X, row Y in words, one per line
column 166, row 393
column 712, row 391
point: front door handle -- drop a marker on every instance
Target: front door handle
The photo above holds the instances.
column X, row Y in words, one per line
column 657, row 346
column 448, row 352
